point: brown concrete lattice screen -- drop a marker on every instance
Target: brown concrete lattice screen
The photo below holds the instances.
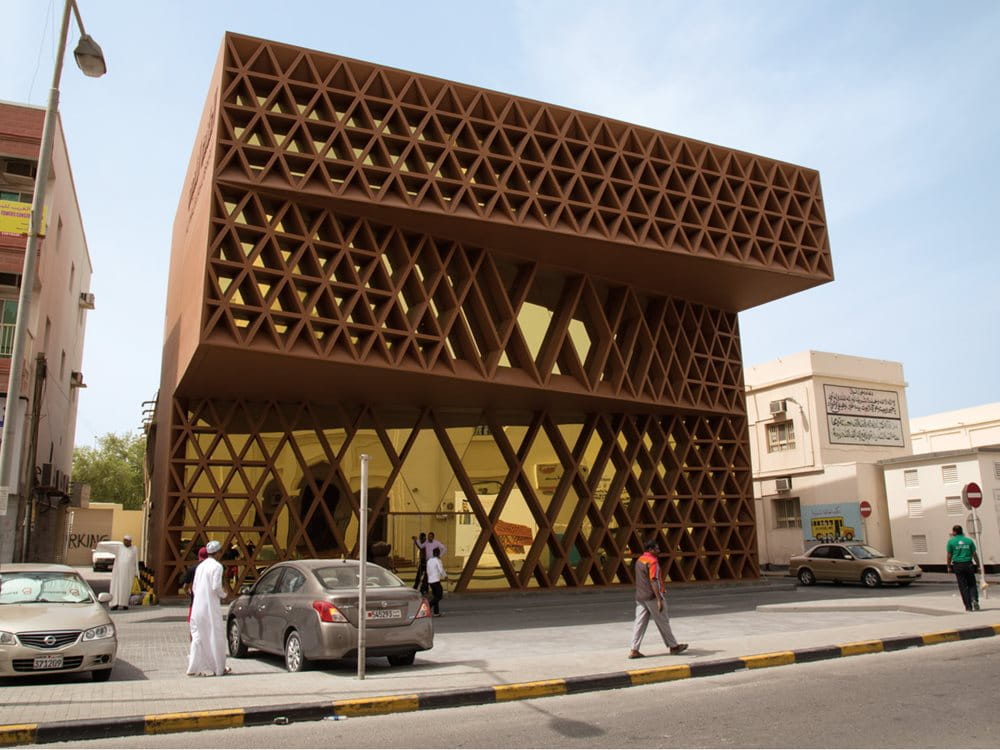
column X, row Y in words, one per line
column 289, row 278
column 326, row 126
column 684, row 479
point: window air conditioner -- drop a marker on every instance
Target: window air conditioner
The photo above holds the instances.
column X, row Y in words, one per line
column 76, row 380
column 783, row 484
column 779, row 407
column 87, row 300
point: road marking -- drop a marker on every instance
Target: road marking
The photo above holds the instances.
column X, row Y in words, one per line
column 194, row 720
column 659, row 674
column 377, row 705
column 17, row 734
column 521, row 690
column 776, row 659
column 861, row 647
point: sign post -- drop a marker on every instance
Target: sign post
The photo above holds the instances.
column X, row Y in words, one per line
column 972, row 498
column 363, row 566
column 865, row 508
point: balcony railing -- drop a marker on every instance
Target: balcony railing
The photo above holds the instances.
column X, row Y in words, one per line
column 6, row 339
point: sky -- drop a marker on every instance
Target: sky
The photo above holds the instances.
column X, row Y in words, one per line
column 896, row 103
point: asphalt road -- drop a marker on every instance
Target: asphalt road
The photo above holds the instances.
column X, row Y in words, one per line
column 931, row 697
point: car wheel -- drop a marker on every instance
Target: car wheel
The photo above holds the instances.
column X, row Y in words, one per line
column 871, row 578
column 806, row 577
column 402, row 660
column 100, row 675
column 237, row 647
column 295, row 660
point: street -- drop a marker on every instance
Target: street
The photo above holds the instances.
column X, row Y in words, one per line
column 938, row 697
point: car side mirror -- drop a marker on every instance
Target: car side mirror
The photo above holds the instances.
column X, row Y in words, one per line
column 246, row 588
column 848, row 557
column 104, row 598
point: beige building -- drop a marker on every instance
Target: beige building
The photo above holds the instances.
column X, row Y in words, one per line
column 953, row 430
column 819, row 424
column 51, row 379
column 99, row 522
column 924, row 496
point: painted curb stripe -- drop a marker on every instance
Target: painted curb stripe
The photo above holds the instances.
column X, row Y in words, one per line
column 521, row 690
column 388, row 704
column 194, row 720
column 777, row 659
column 861, row 647
column 969, row 634
column 659, row 674
column 720, row 666
column 17, row 734
column 819, row 653
column 456, row 698
column 291, row 711
column 944, row 636
column 586, row 684
column 900, row 642
column 61, row 731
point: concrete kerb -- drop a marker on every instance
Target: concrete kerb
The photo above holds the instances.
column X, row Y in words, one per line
column 63, row 731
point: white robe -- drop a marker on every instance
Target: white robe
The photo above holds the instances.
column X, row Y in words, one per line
column 208, row 634
column 125, row 570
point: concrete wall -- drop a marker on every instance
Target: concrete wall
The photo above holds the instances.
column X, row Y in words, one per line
column 100, row 522
column 954, row 430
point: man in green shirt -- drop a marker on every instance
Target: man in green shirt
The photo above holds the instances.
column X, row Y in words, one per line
column 963, row 561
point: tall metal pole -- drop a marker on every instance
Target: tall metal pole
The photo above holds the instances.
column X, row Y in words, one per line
column 979, row 549
column 11, row 439
column 363, row 566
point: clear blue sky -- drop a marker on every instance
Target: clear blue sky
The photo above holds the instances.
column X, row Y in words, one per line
column 895, row 102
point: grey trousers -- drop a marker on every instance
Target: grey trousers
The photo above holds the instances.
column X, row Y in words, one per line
column 644, row 611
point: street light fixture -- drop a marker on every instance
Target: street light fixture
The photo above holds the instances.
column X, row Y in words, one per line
column 90, row 60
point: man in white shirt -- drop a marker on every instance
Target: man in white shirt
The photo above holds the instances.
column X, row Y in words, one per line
column 436, row 574
column 433, row 544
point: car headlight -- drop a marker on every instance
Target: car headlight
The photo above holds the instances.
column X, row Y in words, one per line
column 7, row 639
column 101, row 631
column 893, row 568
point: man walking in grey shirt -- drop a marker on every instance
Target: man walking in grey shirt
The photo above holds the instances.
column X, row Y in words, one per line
column 649, row 602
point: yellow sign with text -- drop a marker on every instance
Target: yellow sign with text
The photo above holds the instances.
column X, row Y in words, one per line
column 15, row 218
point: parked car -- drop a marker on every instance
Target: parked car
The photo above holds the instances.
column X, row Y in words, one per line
column 307, row 610
column 52, row 622
column 851, row 562
column 102, row 557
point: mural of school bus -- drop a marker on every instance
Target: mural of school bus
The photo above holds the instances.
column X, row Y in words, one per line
column 831, row 529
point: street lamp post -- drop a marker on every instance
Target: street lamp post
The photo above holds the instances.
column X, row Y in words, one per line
column 90, row 60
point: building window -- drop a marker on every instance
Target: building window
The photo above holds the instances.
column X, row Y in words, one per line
column 780, row 437
column 996, row 470
column 481, row 431
column 787, row 514
column 949, row 474
column 953, row 506
column 910, row 478
column 8, row 319
column 914, row 508
column 919, row 544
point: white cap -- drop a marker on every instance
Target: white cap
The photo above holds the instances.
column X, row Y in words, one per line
column 127, row 536
column 212, row 547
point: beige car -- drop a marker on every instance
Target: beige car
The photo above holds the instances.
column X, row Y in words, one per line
column 51, row 622
column 850, row 562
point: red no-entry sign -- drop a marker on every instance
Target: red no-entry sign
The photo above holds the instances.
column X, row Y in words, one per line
column 972, row 495
column 866, row 509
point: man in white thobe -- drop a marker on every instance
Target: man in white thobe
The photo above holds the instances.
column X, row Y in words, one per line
column 208, row 635
column 124, row 573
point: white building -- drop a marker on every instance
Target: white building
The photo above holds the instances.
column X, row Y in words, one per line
column 924, row 497
column 952, row 430
column 819, row 424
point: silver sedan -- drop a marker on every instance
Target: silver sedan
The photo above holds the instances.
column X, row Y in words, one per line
column 307, row 610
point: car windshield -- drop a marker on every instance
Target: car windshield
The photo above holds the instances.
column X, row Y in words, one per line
column 25, row 587
column 863, row 551
column 110, row 547
column 346, row 577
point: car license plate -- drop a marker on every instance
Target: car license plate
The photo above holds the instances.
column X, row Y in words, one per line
column 383, row 614
column 48, row 662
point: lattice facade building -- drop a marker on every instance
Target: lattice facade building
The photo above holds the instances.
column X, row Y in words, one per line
column 525, row 315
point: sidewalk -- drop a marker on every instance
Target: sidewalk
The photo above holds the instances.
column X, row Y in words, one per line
column 149, row 676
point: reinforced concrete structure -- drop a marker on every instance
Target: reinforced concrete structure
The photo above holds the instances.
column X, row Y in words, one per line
column 525, row 315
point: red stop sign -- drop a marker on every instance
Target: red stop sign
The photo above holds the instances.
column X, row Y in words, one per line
column 866, row 509
column 972, row 495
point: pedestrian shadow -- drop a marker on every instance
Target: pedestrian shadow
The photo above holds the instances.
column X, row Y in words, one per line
column 568, row 727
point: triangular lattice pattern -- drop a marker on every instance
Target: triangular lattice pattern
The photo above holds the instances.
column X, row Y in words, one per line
column 237, row 466
column 293, row 279
column 322, row 125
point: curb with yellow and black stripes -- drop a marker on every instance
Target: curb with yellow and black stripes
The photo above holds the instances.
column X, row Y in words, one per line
column 64, row 731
